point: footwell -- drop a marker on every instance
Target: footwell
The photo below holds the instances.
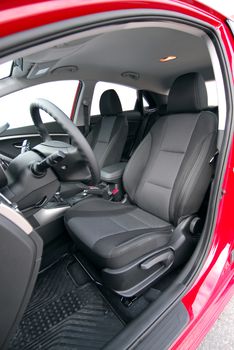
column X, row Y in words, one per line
column 66, row 311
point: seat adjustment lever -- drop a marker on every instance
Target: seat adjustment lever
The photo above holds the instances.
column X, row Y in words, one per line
column 165, row 258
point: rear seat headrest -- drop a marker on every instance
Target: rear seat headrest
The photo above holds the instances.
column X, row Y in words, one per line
column 110, row 104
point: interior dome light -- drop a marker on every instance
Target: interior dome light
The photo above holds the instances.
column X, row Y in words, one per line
column 167, row 58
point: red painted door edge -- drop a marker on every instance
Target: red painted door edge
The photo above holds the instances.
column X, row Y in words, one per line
column 22, row 15
column 214, row 285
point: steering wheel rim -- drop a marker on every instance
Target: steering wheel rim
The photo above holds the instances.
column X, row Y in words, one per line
column 77, row 137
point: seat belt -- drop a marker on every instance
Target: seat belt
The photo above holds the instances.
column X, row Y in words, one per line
column 86, row 118
column 140, row 134
column 141, row 128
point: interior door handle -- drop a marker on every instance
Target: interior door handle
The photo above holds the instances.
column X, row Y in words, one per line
column 17, row 145
column 24, row 146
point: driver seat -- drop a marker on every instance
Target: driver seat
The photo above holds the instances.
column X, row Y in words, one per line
column 166, row 179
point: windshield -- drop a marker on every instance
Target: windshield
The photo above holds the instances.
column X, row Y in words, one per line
column 5, row 69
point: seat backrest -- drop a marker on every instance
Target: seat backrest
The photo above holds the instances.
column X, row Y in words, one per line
column 169, row 173
column 20, row 256
column 109, row 136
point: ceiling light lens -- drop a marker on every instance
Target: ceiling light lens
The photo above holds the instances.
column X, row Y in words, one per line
column 167, row 58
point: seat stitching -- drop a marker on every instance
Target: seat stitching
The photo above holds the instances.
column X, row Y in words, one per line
column 166, row 187
column 143, row 235
column 117, row 223
column 169, row 151
column 146, row 223
column 135, row 217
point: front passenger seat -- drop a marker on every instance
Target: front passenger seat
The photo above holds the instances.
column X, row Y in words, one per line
column 108, row 137
column 135, row 243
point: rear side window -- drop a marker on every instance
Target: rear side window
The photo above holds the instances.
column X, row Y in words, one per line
column 126, row 94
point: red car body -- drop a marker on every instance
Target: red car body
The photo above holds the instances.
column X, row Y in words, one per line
column 214, row 285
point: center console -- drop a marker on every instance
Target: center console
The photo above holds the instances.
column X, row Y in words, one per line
column 112, row 174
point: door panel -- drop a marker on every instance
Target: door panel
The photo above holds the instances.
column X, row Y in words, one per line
column 12, row 139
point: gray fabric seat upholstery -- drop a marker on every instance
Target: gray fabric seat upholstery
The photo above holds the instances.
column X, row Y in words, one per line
column 108, row 137
column 166, row 180
column 115, row 228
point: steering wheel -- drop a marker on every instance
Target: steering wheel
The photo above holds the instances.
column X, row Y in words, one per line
column 33, row 177
column 75, row 154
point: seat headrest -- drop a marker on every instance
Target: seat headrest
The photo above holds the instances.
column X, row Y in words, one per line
column 109, row 103
column 188, row 94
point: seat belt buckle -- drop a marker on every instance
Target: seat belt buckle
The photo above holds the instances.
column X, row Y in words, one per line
column 116, row 194
column 98, row 191
column 115, row 191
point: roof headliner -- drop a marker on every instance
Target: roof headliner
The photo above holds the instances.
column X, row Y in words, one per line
column 105, row 56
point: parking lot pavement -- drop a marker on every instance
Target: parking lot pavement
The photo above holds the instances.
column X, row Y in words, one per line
column 221, row 336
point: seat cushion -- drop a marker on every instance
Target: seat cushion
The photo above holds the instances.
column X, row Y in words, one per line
column 115, row 234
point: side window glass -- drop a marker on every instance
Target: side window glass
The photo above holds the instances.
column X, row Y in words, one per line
column 145, row 103
column 126, row 94
column 14, row 108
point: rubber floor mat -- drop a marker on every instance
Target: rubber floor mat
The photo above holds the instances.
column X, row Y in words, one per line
column 66, row 312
